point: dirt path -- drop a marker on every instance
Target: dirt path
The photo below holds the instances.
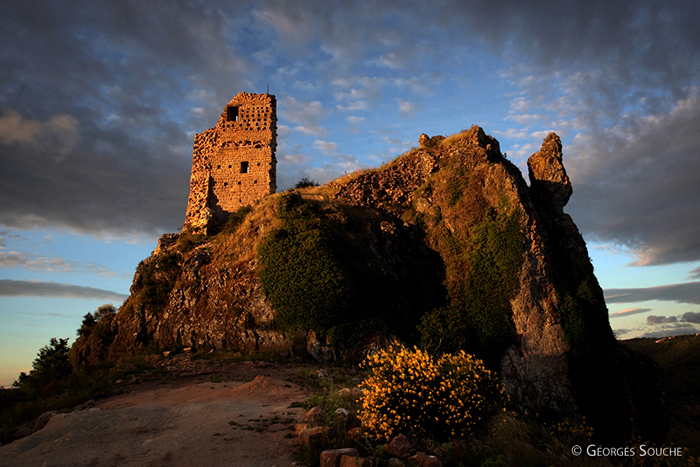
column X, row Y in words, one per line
column 245, row 420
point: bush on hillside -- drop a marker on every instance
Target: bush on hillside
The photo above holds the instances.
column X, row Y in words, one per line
column 305, row 183
column 413, row 393
column 95, row 335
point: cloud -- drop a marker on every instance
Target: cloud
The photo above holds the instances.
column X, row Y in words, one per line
column 95, row 122
column 306, row 114
column 636, row 185
column 691, row 317
column 651, row 319
column 663, row 326
column 339, row 162
column 671, row 331
column 13, row 288
column 328, row 148
column 100, row 101
column 59, row 134
column 628, row 312
column 12, row 259
column 407, row 109
column 687, row 292
column 358, row 92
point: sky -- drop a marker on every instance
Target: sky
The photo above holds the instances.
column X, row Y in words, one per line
column 100, row 102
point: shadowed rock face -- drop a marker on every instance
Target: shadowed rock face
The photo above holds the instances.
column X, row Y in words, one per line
column 471, row 258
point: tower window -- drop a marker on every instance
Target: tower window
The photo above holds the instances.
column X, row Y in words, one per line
column 244, row 167
column 232, row 113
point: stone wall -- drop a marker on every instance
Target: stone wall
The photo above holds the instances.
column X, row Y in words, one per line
column 233, row 164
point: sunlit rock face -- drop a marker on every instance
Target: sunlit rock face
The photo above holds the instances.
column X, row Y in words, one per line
column 549, row 184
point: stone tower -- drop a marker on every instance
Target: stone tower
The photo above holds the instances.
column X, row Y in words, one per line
column 233, row 164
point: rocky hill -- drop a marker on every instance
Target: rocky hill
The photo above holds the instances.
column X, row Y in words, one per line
column 445, row 247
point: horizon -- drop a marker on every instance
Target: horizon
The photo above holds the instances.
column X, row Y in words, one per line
column 99, row 107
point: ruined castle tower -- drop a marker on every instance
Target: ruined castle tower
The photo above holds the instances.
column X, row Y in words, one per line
column 233, row 164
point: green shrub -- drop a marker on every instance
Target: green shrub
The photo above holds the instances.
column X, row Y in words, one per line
column 305, row 183
column 318, row 277
column 421, row 396
column 158, row 278
column 188, row 240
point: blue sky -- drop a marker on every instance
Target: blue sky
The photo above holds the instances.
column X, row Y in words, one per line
column 100, row 101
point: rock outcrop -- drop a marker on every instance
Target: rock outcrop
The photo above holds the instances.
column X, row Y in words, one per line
column 446, row 246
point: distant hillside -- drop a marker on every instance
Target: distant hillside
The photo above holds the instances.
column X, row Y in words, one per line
column 446, row 247
column 679, row 359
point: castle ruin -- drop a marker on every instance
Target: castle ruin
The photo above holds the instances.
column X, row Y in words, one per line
column 233, row 164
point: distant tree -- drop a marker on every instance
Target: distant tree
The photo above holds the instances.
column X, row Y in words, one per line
column 50, row 370
column 52, row 360
column 103, row 311
column 305, row 182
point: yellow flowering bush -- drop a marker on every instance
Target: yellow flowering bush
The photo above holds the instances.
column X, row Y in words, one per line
column 418, row 395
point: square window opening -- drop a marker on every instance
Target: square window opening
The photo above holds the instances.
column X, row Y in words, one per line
column 244, row 167
column 232, row 113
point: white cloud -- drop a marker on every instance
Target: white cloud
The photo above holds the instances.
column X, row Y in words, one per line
column 406, row 108
column 358, row 92
column 354, row 106
column 353, row 120
column 326, row 147
column 306, row 114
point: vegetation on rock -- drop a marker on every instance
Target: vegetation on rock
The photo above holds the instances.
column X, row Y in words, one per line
column 483, row 267
column 323, row 277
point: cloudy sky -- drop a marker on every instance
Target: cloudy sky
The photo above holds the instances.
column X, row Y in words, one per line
column 100, row 101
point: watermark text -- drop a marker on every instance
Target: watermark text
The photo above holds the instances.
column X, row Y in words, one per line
column 643, row 450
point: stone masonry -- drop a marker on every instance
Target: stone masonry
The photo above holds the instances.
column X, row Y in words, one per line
column 233, row 164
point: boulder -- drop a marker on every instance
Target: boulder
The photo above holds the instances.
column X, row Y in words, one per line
column 43, row 419
column 399, row 446
column 356, row 461
column 424, row 460
column 299, row 427
column 332, row 457
column 423, row 140
column 313, row 436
